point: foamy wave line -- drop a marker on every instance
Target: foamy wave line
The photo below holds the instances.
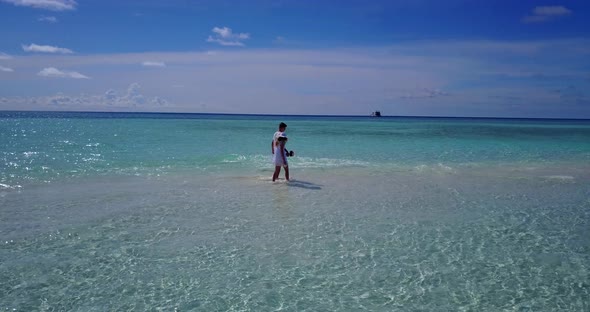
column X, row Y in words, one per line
column 560, row 178
column 9, row 187
column 265, row 161
column 235, row 158
column 307, row 162
column 29, row 154
column 436, row 168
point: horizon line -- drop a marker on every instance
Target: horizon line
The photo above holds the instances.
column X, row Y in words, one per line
column 292, row 115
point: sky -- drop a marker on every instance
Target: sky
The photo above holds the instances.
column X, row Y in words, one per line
column 462, row 58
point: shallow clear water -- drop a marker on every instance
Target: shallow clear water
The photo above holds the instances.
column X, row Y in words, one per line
column 137, row 212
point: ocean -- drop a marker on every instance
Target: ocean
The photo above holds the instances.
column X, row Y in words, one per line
column 177, row 212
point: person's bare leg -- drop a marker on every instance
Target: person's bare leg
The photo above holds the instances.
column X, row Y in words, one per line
column 275, row 175
column 287, row 173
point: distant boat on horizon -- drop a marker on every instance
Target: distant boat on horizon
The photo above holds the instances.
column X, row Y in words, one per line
column 376, row 114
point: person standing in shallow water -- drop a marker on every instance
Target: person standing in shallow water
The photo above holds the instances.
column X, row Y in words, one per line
column 279, row 152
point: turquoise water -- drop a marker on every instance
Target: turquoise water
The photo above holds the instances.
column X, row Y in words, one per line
column 105, row 211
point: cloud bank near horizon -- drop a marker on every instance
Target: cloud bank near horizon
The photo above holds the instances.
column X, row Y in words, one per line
column 110, row 100
column 413, row 78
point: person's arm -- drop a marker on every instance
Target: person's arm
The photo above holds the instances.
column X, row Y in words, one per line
column 272, row 146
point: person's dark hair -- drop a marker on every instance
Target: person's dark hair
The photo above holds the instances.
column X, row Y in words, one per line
column 282, row 125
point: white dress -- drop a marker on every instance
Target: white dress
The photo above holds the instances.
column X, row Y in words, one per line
column 276, row 157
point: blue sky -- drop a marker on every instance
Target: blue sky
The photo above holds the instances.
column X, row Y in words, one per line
column 421, row 58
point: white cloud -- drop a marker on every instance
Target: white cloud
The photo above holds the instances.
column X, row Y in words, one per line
column 551, row 10
column 227, row 33
column 153, row 64
column 4, row 56
column 109, row 101
column 158, row 101
column 63, row 100
column 225, row 42
column 53, row 5
column 45, row 49
column 6, row 69
column 133, row 98
column 546, row 13
column 225, row 36
column 133, row 95
column 110, row 95
column 49, row 19
column 54, row 72
column 425, row 93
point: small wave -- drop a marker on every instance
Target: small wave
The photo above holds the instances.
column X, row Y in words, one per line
column 29, row 154
column 421, row 167
column 440, row 168
column 308, row 162
column 265, row 161
column 91, row 160
column 560, row 178
column 235, row 158
column 9, row 187
column 445, row 168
